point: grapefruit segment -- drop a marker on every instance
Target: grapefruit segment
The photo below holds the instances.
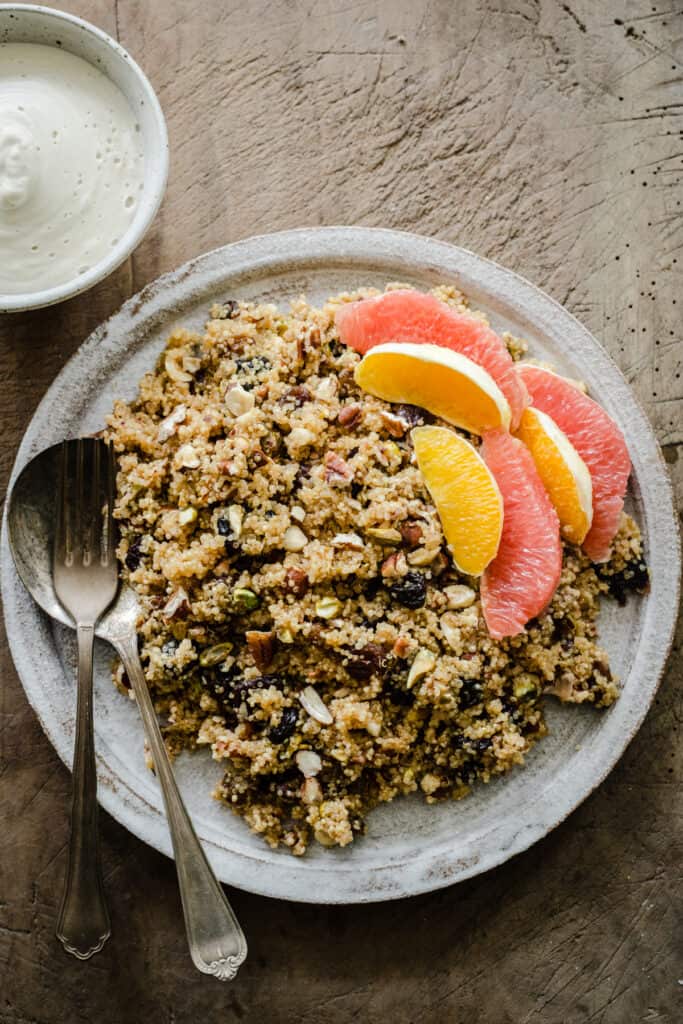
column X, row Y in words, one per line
column 465, row 493
column 599, row 442
column 564, row 474
column 521, row 580
column 412, row 316
column 445, row 383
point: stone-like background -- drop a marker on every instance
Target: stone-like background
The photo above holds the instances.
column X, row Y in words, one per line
column 543, row 134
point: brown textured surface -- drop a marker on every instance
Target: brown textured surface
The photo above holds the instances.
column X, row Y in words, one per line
column 544, row 135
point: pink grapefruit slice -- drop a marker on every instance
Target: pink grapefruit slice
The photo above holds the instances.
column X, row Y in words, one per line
column 599, row 442
column 520, row 581
column 412, row 316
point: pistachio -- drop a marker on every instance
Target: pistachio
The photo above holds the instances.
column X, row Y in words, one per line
column 187, row 457
column 524, row 686
column 238, row 401
column 173, row 366
column 298, row 513
column 459, row 596
column 348, row 540
column 285, row 636
column 313, row 704
column 423, row 663
column 215, row 655
column 246, row 598
column 294, row 539
column 170, row 423
column 327, row 607
column 187, row 516
column 308, row 763
column 384, row 534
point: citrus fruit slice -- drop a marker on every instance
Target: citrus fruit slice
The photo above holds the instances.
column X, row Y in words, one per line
column 465, row 494
column 521, row 580
column 412, row 316
column 443, row 382
column 599, row 442
column 564, row 474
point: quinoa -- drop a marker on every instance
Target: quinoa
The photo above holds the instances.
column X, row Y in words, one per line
column 301, row 615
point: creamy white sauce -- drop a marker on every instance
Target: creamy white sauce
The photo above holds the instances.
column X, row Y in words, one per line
column 71, row 167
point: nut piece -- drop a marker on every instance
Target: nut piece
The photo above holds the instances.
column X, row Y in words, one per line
column 187, row 457
column 247, row 599
column 327, row 607
column 450, row 630
column 299, row 437
column 348, row 540
column 294, row 539
column 423, row 663
column 411, row 533
column 459, row 596
column 394, row 425
column 296, row 580
column 187, row 516
column 178, row 604
column 349, row 415
column 336, row 470
column 170, row 424
column 308, row 763
column 173, row 366
column 326, row 389
column 311, row 793
column 215, row 655
column 313, row 704
column 394, row 565
column 238, row 400
column 235, row 519
column 384, row 534
column 298, row 513
column 261, row 647
column 422, row 556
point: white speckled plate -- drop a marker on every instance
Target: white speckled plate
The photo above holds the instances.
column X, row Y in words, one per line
column 409, row 847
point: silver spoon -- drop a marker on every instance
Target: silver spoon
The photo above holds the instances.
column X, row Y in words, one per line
column 217, row 943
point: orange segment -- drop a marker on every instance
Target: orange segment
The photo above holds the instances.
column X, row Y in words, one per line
column 446, row 383
column 465, row 494
column 563, row 472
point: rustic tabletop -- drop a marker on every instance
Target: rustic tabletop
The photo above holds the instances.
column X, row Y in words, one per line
column 547, row 136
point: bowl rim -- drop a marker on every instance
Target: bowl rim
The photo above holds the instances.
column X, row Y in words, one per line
column 152, row 196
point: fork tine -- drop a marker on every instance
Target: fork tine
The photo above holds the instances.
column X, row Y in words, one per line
column 62, row 540
column 110, row 525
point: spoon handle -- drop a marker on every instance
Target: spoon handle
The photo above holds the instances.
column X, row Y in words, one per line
column 83, row 926
column 217, row 943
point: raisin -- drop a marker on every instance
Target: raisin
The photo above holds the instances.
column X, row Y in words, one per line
column 365, row 662
column 285, row 727
column 134, row 554
column 297, row 395
column 633, row 577
column 224, row 527
column 482, row 745
column 231, row 309
column 471, row 693
column 410, row 590
column 413, row 415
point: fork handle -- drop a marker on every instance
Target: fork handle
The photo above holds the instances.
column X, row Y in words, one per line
column 83, row 926
column 217, row 943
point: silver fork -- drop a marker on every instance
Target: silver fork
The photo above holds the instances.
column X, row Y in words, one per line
column 85, row 577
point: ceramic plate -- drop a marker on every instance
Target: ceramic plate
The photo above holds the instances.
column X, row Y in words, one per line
column 409, row 847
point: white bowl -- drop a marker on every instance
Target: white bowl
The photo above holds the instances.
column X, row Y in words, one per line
column 22, row 23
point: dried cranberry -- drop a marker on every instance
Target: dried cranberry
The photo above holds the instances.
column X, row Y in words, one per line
column 364, row 663
column 410, row 590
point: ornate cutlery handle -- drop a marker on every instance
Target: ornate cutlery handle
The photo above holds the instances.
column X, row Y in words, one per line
column 217, row 943
column 83, row 926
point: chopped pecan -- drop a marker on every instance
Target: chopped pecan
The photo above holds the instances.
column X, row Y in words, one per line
column 296, row 580
column 395, row 565
column 394, row 425
column 336, row 470
column 349, row 415
column 297, row 395
column 411, row 533
column 261, row 647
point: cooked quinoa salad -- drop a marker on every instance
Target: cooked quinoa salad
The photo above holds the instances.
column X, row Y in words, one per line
column 301, row 614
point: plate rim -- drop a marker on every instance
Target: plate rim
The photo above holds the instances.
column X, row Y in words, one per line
column 334, row 245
